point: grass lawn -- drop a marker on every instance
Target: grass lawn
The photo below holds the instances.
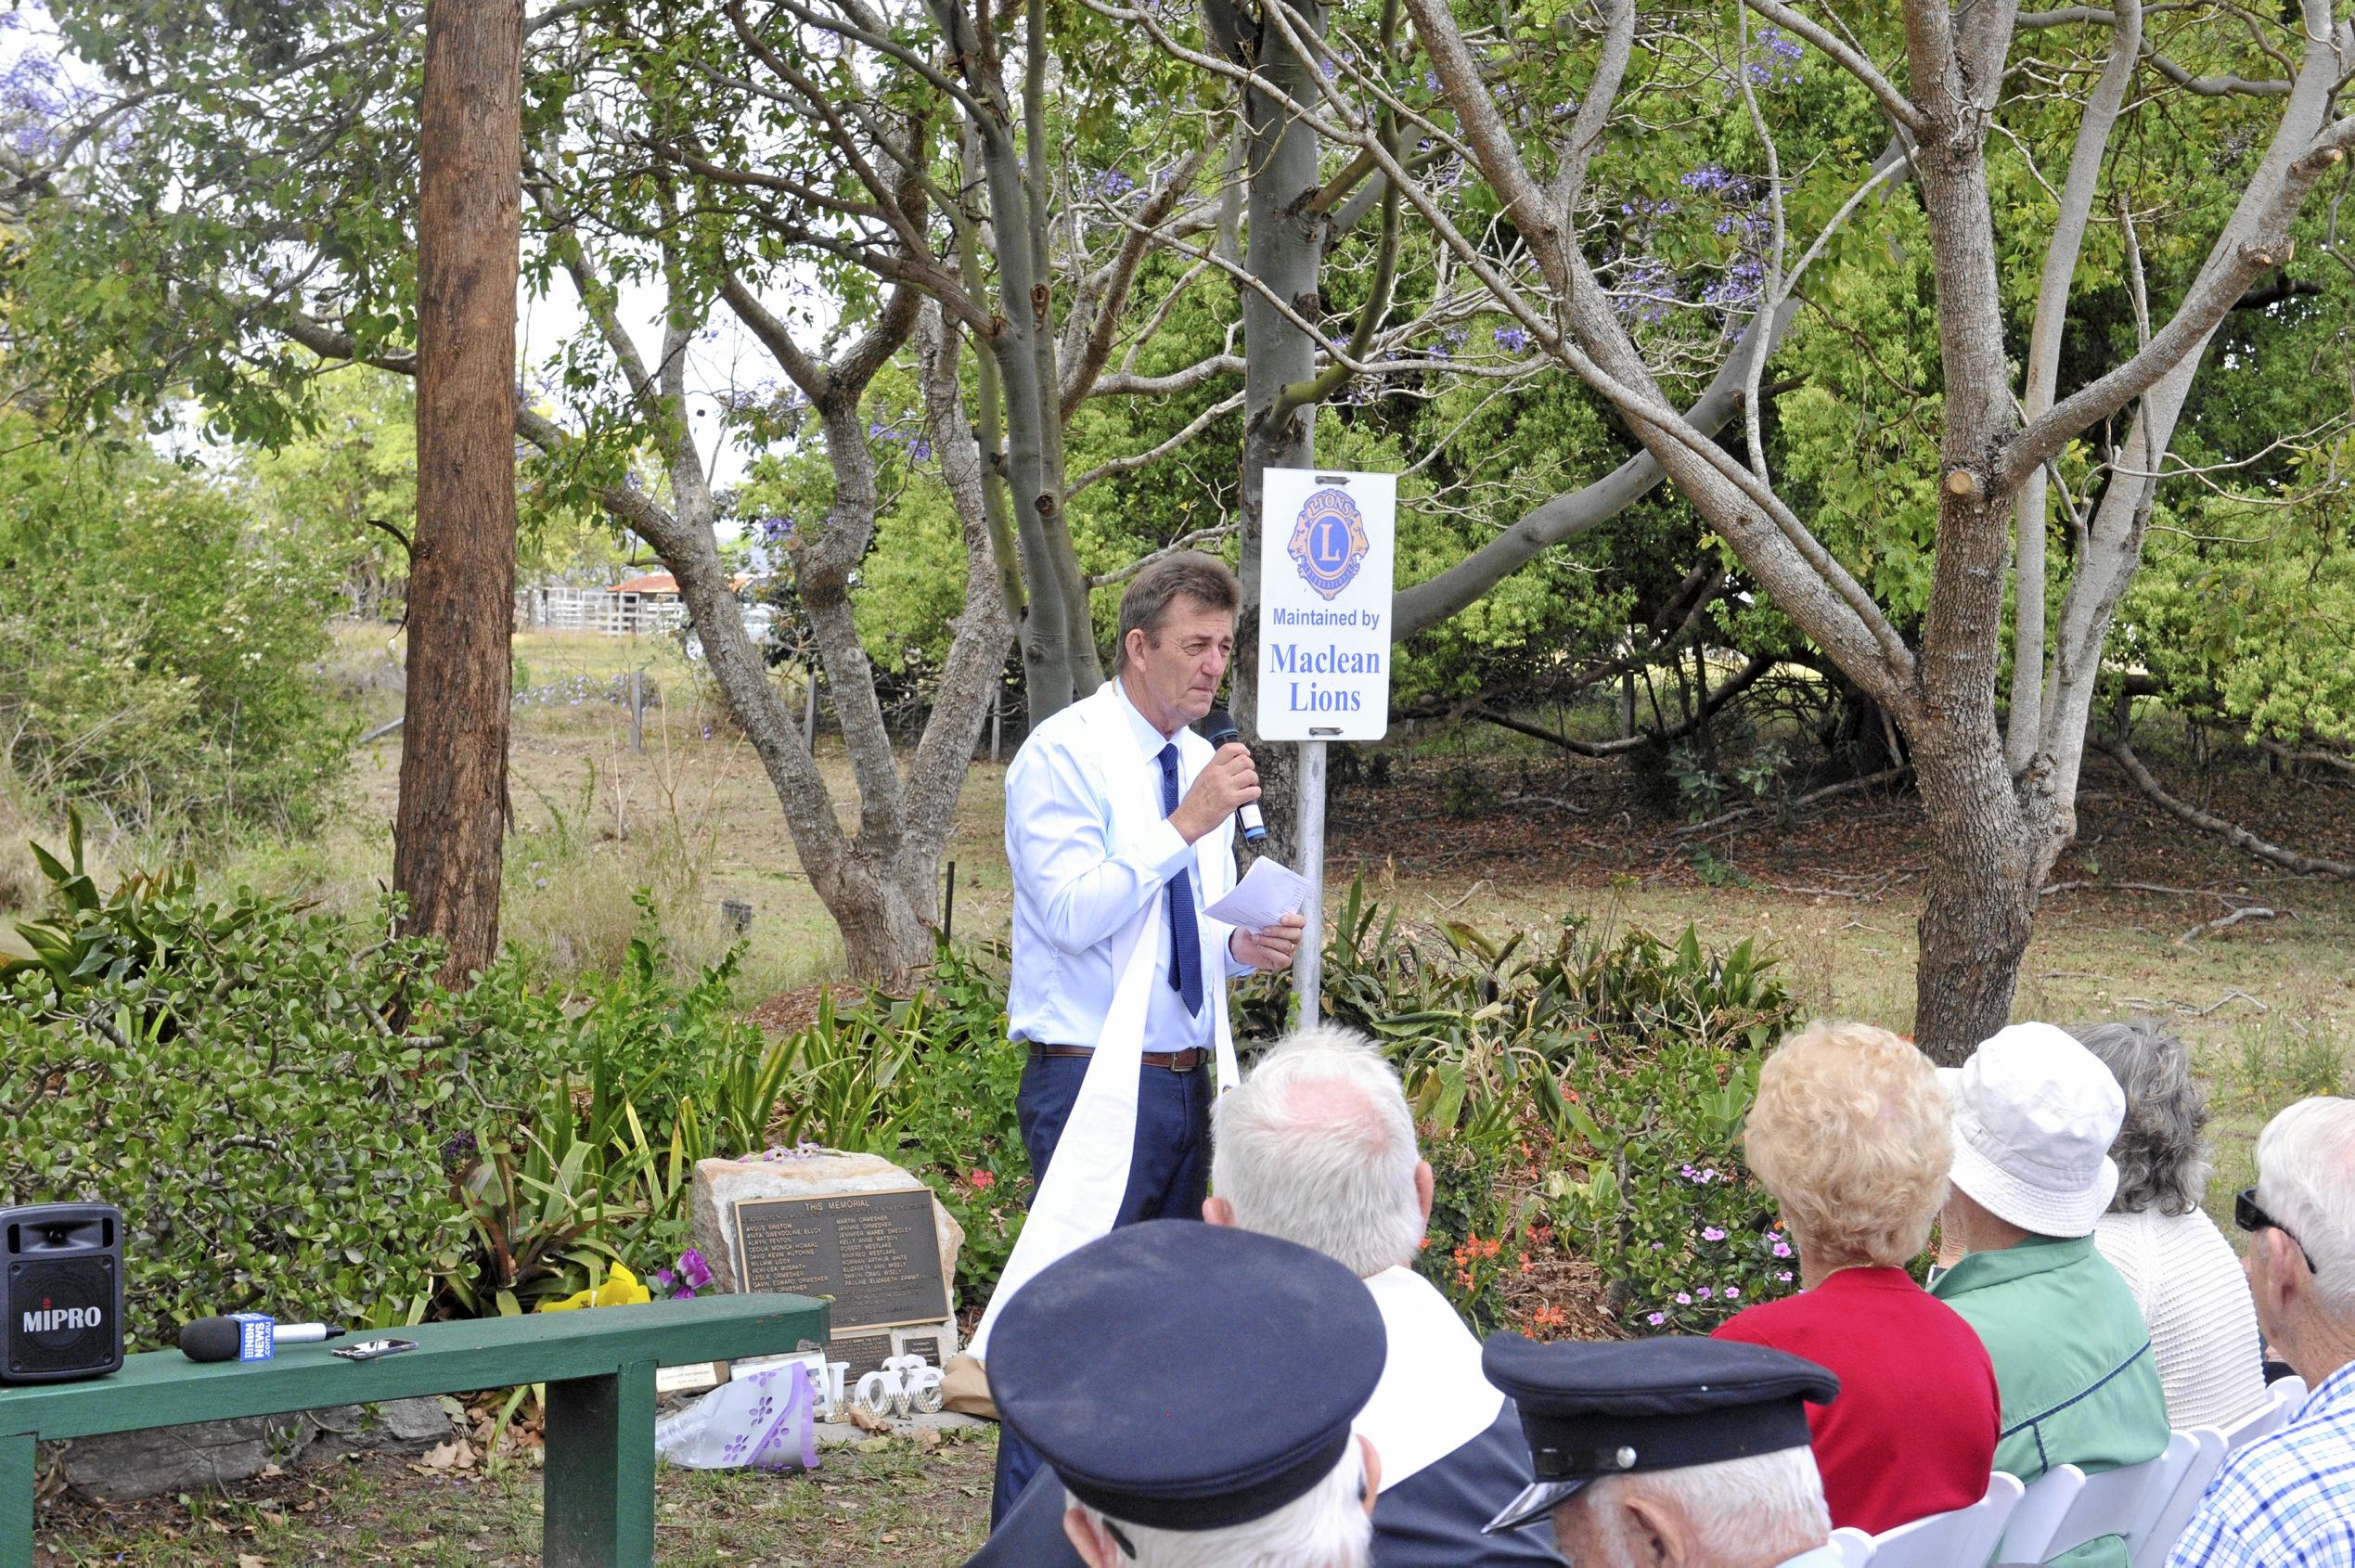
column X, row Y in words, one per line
column 895, row 1507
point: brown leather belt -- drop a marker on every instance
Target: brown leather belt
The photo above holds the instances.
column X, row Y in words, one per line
column 1175, row 1062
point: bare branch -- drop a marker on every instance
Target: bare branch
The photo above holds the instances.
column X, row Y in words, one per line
column 1192, row 376
column 1136, row 460
column 1813, row 797
column 2042, row 375
column 1739, row 682
column 1900, row 109
column 1593, row 118
column 2259, row 243
column 1789, row 560
column 1192, row 541
column 2231, row 832
column 1081, row 374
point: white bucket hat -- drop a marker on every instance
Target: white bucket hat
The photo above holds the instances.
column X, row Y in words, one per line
column 2035, row 1115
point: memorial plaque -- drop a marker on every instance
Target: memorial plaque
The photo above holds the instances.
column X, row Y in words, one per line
column 866, row 1352
column 877, row 1254
column 934, row 1341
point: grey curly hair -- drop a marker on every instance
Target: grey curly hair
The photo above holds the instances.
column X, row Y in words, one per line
column 2161, row 1161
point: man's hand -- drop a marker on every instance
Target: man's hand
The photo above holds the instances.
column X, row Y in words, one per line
column 1226, row 782
column 1272, row 948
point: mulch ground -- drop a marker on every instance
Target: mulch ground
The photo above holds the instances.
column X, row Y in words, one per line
column 1583, row 824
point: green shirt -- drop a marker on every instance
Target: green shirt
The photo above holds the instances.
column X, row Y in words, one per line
column 2073, row 1367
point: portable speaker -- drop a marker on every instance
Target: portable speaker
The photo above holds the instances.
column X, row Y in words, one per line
column 62, row 1291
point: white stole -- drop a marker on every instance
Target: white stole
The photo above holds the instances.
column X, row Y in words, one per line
column 1432, row 1397
column 1080, row 1197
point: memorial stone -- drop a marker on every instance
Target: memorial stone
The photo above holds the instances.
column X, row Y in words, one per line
column 853, row 1228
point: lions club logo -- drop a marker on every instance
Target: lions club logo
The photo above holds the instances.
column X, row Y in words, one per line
column 1328, row 542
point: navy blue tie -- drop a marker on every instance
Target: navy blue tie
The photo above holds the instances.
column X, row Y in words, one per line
column 1185, row 939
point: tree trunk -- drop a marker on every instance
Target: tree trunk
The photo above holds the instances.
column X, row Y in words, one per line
column 1283, row 248
column 453, row 805
column 1980, row 898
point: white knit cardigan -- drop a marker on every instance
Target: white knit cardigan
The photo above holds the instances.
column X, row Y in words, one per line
column 2204, row 1333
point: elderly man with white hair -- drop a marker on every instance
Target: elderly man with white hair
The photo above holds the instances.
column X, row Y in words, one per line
column 1318, row 1148
column 1192, row 1389
column 2288, row 1500
column 1669, row 1452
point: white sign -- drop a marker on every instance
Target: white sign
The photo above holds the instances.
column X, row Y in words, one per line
column 1327, row 550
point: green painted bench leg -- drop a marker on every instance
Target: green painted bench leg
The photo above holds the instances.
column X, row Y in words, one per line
column 597, row 1490
column 16, row 1499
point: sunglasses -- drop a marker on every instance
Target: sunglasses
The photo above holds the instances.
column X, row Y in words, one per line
column 2249, row 1217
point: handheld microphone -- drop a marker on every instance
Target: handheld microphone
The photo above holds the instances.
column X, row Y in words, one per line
column 1221, row 725
column 248, row 1336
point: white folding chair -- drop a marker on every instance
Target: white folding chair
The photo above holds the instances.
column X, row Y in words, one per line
column 2043, row 1506
column 1963, row 1538
column 2286, row 1397
column 2176, row 1512
column 2125, row 1501
column 1854, row 1546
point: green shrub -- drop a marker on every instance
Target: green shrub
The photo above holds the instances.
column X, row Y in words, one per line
column 594, row 1164
column 229, row 1074
column 223, row 1073
column 161, row 641
column 958, row 1130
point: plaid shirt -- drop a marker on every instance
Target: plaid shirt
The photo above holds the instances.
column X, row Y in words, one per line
column 2286, row 1500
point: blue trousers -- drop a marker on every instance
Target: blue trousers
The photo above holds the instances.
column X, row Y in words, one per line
column 1168, row 1178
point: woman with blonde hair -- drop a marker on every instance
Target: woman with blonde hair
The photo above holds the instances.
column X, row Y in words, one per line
column 1851, row 1135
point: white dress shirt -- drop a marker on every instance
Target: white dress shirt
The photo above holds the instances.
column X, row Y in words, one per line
column 1073, row 889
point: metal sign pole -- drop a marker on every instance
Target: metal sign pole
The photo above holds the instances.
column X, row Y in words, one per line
column 1308, row 961
column 1326, row 563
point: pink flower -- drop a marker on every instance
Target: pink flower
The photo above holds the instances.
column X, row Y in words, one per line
column 982, row 1181
column 1733, row 1293
column 1685, row 1300
column 1783, row 1248
column 1704, row 1292
column 1711, row 1233
column 1657, row 1318
column 1784, row 1276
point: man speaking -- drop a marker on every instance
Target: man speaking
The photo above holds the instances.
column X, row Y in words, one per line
column 1119, row 828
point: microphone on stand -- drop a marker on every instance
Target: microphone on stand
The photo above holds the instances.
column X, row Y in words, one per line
column 1221, row 727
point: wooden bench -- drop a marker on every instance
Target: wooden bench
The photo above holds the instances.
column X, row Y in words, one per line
column 598, row 1485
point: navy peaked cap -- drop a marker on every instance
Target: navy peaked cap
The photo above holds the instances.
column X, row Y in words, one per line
column 1185, row 1376
column 1595, row 1409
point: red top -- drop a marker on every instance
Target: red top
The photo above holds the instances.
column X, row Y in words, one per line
column 1912, row 1432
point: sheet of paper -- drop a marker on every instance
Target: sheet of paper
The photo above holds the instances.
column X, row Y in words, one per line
column 1266, row 893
